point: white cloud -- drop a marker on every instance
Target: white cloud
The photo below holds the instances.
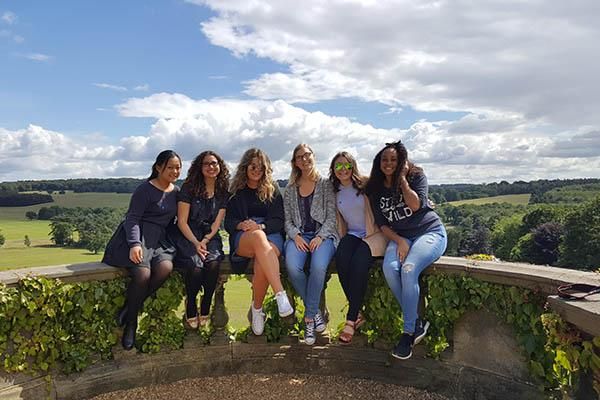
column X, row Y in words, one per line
column 536, row 59
column 508, row 147
column 142, row 88
column 38, row 57
column 110, row 86
column 18, row 39
column 8, row 17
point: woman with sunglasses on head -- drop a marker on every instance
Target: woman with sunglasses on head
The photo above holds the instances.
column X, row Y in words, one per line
column 254, row 220
column 398, row 192
column 310, row 224
column 361, row 239
column 140, row 242
column 200, row 210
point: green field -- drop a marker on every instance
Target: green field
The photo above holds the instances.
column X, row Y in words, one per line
column 509, row 198
column 14, row 253
column 14, row 226
column 70, row 199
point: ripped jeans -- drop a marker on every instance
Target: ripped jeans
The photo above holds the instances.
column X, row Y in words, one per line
column 403, row 278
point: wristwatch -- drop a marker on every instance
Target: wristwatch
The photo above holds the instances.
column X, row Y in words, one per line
column 262, row 226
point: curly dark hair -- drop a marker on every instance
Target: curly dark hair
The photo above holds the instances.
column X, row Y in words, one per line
column 358, row 181
column 196, row 179
column 377, row 178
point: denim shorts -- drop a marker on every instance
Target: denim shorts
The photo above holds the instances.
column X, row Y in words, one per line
column 275, row 238
column 239, row 264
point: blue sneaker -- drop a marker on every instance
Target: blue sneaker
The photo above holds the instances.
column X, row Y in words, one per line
column 420, row 330
column 309, row 333
column 403, row 349
column 320, row 324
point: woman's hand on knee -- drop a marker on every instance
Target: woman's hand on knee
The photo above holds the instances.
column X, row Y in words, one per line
column 301, row 243
column 402, row 248
column 315, row 243
column 135, row 254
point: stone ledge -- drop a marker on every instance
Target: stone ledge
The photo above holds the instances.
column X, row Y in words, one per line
column 583, row 314
column 135, row 369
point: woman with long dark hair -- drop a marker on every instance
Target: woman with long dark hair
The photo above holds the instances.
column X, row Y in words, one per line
column 140, row 243
column 309, row 205
column 398, row 192
column 254, row 221
column 361, row 239
column 201, row 204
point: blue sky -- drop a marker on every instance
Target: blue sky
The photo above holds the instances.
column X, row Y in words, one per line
column 98, row 88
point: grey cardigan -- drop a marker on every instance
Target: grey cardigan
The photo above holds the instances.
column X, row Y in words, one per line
column 322, row 210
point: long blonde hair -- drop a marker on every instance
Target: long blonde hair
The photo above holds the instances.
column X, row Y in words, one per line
column 266, row 186
column 296, row 173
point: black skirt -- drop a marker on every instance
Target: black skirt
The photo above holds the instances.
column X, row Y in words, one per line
column 186, row 255
column 156, row 247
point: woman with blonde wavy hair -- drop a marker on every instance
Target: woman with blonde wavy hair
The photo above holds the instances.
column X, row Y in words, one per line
column 309, row 204
column 254, row 220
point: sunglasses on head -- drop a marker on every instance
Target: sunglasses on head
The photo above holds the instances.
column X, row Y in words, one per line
column 339, row 166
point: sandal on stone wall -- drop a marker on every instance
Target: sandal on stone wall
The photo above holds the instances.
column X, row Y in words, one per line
column 347, row 333
column 191, row 323
column 203, row 320
column 360, row 321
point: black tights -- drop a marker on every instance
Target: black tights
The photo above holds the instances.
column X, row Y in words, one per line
column 144, row 282
column 353, row 260
column 195, row 278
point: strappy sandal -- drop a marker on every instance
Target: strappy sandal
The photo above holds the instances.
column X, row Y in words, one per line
column 191, row 323
column 203, row 320
column 360, row 321
column 346, row 335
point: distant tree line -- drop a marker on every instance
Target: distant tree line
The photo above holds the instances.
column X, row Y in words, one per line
column 453, row 192
column 439, row 193
column 118, row 185
column 547, row 234
column 14, row 199
column 88, row 228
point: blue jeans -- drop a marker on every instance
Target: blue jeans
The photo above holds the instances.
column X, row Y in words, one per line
column 403, row 278
column 309, row 287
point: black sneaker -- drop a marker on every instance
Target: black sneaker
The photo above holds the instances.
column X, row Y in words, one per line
column 420, row 330
column 403, row 349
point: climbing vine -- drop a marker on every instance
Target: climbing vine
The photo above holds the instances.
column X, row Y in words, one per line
column 556, row 353
column 46, row 324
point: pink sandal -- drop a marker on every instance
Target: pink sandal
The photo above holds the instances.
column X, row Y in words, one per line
column 347, row 333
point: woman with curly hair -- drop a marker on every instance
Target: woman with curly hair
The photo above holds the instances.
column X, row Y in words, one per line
column 361, row 239
column 140, row 242
column 200, row 210
column 254, row 220
column 398, row 192
column 310, row 224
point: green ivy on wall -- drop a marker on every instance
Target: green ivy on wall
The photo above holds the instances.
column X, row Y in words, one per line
column 46, row 324
column 556, row 353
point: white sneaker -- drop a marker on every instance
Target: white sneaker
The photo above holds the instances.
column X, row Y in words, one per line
column 283, row 304
column 320, row 324
column 258, row 321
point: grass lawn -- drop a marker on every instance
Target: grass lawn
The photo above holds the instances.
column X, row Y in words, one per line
column 14, row 253
column 509, row 198
column 238, row 297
